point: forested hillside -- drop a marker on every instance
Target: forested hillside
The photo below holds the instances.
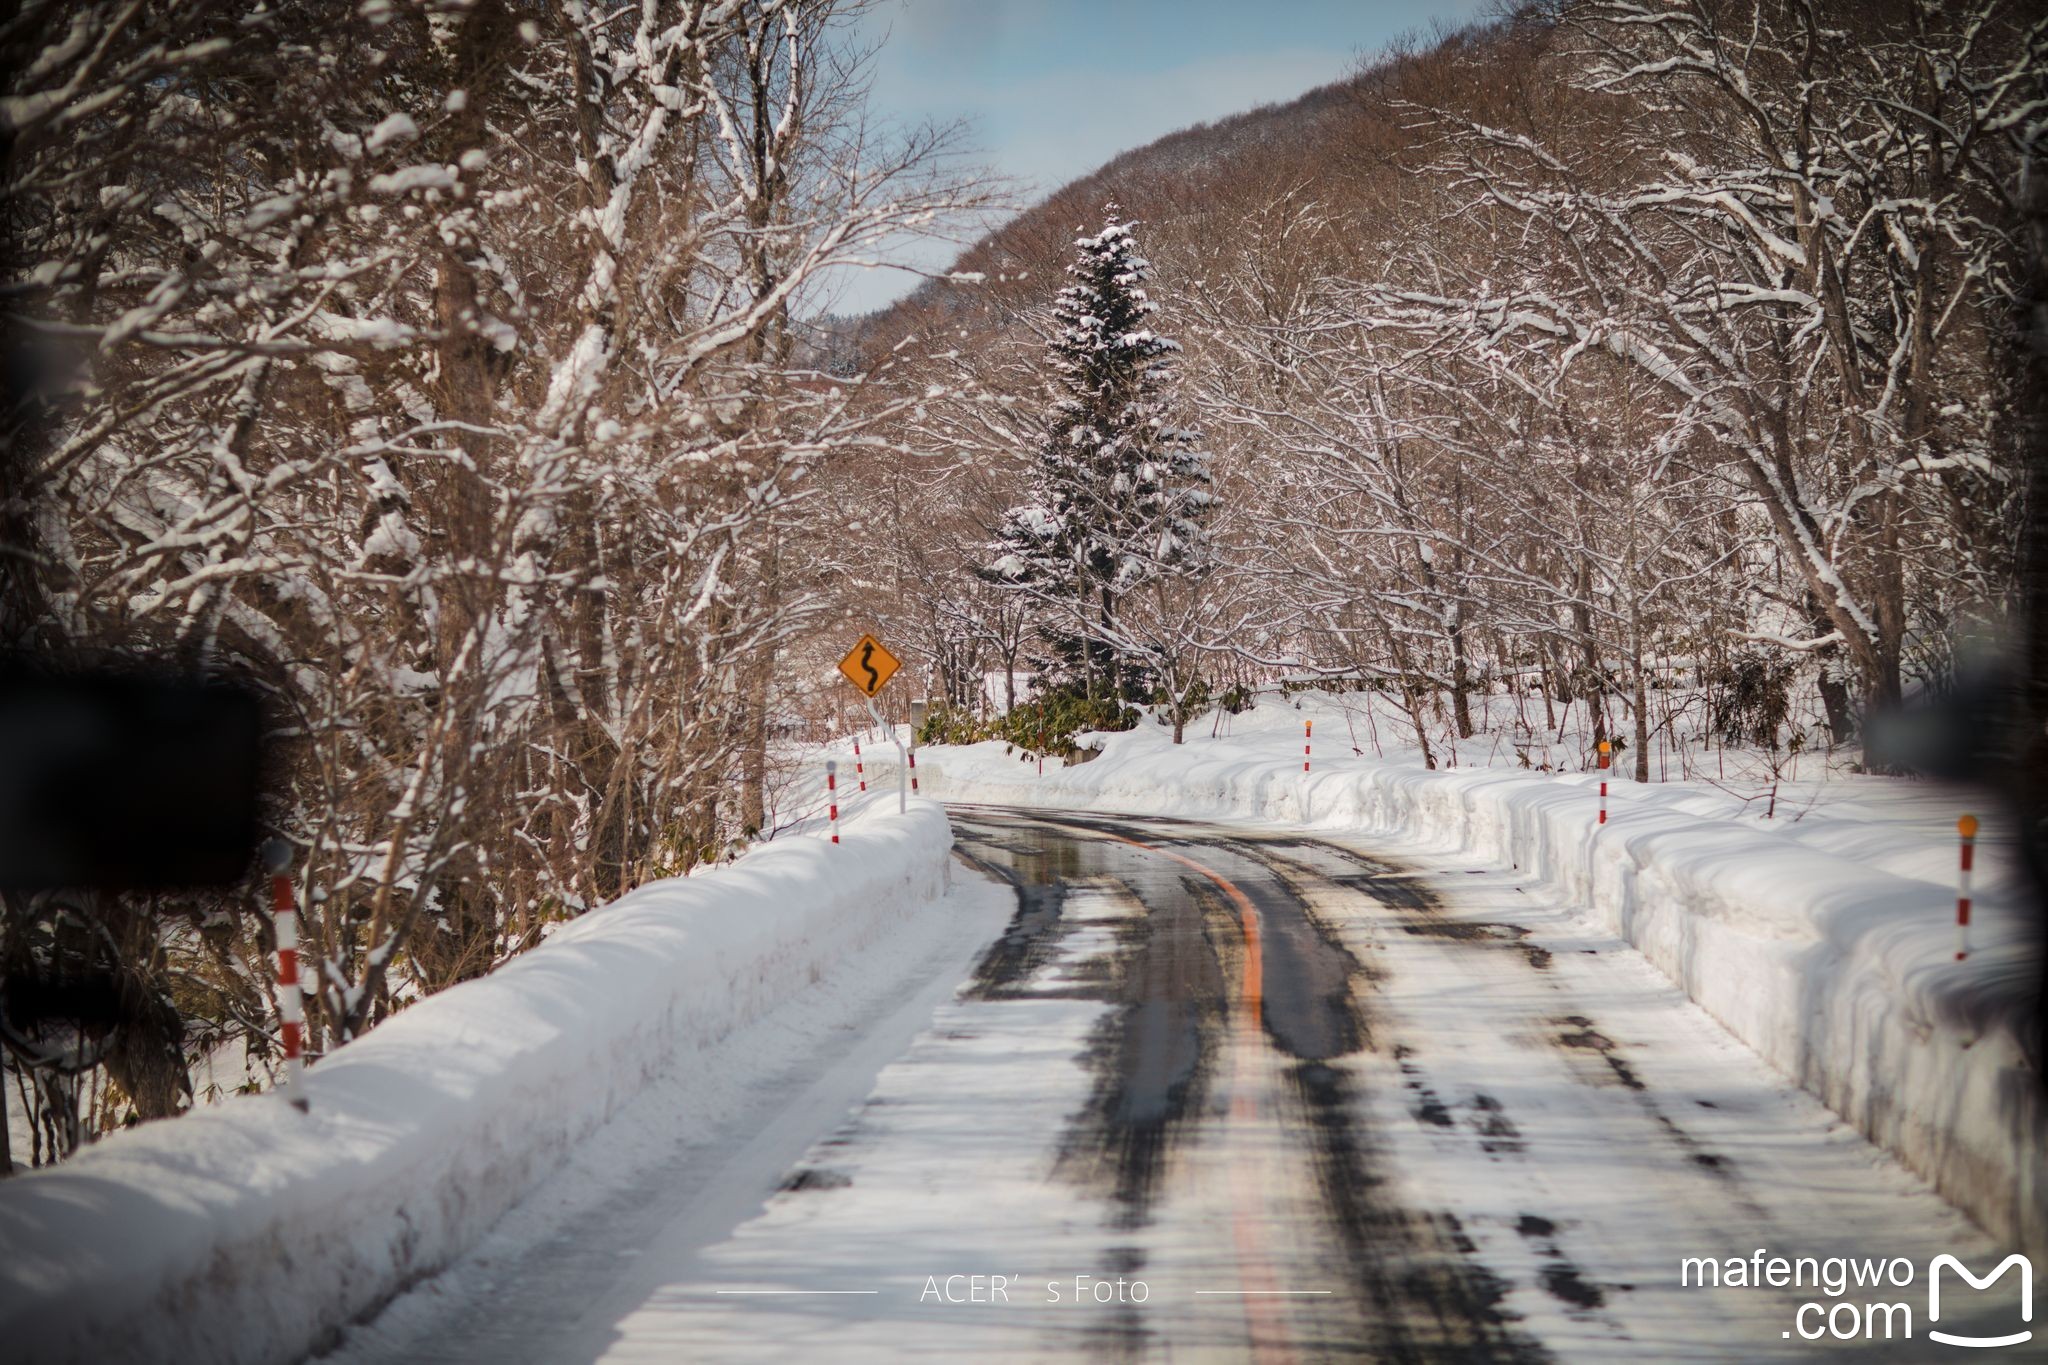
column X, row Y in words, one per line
column 1604, row 349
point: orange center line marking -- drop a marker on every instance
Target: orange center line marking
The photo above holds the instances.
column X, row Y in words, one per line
column 1253, row 991
column 1266, row 1325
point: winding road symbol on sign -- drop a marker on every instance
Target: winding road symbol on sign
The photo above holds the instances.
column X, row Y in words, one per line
column 869, row 666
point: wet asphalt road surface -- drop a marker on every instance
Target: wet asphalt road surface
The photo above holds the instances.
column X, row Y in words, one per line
column 1223, row 1093
column 1437, row 1132
column 1234, row 1007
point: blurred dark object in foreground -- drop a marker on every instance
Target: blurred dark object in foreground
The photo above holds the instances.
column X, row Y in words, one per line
column 125, row 782
column 2026, row 724
column 1992, row 730
column 1966, row 736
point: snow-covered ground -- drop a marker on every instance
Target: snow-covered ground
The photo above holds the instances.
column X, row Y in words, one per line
column 1819, row 930
column 250, row 1231
column 697, row 1154
column 579, row 1156
column 657, row 1269
column 1505, row 1159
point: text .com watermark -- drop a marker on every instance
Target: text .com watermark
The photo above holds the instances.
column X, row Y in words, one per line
column 1871, row 1298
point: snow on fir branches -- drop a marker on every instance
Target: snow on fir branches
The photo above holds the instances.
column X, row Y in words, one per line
column 1119, row 491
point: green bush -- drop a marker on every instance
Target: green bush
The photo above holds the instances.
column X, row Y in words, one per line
column 952, row 725
column 1051, row 720
column 1198, row 700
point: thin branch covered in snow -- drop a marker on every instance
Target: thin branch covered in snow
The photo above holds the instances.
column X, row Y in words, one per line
column 436, row 369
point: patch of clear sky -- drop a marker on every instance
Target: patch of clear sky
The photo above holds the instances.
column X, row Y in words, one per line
column 1052, row 89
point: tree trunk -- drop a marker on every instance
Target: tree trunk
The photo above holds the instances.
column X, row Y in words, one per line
column 1544, row 674
column 1111, row 665
column 1461, row 674
column 754, row 761
column 1835, row 697
column 1591, row 685
column 1642, row 695
column 1410, row 699
column 754, row 756
column 1558, row 675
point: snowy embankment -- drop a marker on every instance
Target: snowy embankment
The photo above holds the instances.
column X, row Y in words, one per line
column 1823, row 938
column 252, row 1232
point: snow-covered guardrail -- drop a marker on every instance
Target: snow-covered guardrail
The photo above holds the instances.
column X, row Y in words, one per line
column 1840, row 975
column 249, row 1231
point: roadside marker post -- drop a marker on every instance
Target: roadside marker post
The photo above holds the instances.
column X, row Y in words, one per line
column 291, row 1006
column 918, row 711
column 832, row 795
column 1604, row 752
column 1967, row 827
column 1307, row 728
column 859, row 770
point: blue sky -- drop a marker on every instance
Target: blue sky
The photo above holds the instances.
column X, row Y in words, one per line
column 1054, row 88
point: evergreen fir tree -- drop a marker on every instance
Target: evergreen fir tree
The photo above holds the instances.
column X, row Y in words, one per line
column 1119, row 492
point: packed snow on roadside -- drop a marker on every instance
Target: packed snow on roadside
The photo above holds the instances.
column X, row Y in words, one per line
column 1808, row 908
column 249, row 1231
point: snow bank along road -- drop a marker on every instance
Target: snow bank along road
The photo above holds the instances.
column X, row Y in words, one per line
column 1224, row 1092
column 250, row 1232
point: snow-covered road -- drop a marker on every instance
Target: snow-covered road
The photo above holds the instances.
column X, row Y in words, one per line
column 1219, row 1092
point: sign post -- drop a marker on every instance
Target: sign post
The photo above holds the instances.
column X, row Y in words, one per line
column 902, row 757
column 869, row 666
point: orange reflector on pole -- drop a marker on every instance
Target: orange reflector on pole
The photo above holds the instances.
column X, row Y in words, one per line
column 1604, row 751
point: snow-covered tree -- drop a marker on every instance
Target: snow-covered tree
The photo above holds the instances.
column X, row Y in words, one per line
column 436, row 368
column 1797, row 231
column 1119, row 491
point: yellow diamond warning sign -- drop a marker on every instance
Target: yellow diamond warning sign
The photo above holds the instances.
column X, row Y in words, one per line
column 868, row 666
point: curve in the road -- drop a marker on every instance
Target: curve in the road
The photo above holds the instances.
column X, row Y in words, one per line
column 1297, row 1012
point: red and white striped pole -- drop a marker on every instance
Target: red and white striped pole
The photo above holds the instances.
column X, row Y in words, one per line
column 913, row 767
column 291, row 1005
column 859, row 769
column 1307, row 727
column 1967, row 827
column 832, row 795
column 1603, row 781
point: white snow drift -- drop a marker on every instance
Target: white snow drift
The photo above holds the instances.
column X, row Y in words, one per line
column 252, row 1232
